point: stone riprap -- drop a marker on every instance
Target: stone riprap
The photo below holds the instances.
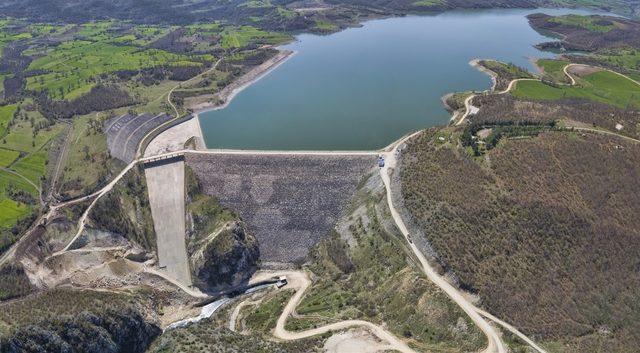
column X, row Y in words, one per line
column 289, row 202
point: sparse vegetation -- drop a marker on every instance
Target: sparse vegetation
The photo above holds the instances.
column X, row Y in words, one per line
column 504, row 72
column 363, row 272
column 125, row 211
column 541, row 228
column 263, row 318
column 213, row 335
column 504, row 108
column 588, row 33
column 62, row 320
column 13, row 282
column 222, row 252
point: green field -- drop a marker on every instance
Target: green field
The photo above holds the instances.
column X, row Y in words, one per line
column 236, row 37
column 24, row 148
column 603, row 86
column 6, row 114
column 10, row 211
column 21, row 137
column 553, row 69
column 8, row 180
column 87, row 159
column 7, row 157
column 256, row 4
column 585, row 22
column 263, row 318
column 325, row 26
column 73, row 65
column 623, row 57
column 33, row 166
column 426, row 3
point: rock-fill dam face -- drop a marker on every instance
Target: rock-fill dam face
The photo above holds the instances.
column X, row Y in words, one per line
column 289, row 201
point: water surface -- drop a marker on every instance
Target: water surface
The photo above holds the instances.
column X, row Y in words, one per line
column 365, row 87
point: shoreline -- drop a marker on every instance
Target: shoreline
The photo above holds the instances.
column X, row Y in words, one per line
column 228, row 93
column 494, row 77
column 444, row 100
column 475, row 63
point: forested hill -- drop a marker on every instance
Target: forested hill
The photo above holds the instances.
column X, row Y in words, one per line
column 271, row 14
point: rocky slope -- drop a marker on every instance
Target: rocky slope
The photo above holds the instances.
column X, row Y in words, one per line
column 73, row 321
column 222, row 252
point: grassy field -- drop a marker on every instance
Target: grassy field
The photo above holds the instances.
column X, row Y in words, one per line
column 23, row 138
column 602, row 86
column 553, row 69
column 87, row 163
column 6, row 114
column 236, row 37
column 586, row 22
column 7, row 157
column 325, row 26
column 73, row 65
column 34, row 149
column 8, row 180
column 626, row 58
column 33, row 166
column 24, row 148
column 505, row 72
column 10, row 211
column 426, row 3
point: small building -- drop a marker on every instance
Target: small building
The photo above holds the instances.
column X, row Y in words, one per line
column 381, row 162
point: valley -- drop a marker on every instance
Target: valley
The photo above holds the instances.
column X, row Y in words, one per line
column 232, row 185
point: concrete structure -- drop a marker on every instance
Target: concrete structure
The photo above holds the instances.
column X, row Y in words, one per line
column 165, row 181
column 124, row 133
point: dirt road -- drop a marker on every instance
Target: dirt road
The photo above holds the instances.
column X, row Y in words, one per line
column 299, row 281
column 467, row 102
column 468, row 107
column 495, row 344
column 170, row 92
column 566, row 72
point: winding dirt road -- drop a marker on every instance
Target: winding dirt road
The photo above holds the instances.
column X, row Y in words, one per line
column 565, row 69
column 468, row 105
column 170, row 92
column 495, row 344
column 566, row 72
column 299, row 281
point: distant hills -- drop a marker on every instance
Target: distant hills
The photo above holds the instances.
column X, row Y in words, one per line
column 274, row 14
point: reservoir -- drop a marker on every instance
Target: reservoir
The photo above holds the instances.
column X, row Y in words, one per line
column 363, row 88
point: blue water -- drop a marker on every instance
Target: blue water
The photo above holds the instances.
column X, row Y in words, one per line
column 365, row 87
